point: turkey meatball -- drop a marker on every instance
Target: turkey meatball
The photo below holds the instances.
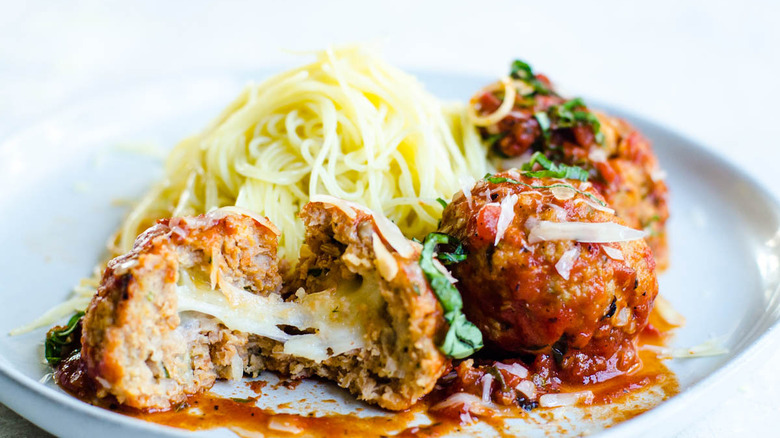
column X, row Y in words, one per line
column 620, row 162
column 552, row 272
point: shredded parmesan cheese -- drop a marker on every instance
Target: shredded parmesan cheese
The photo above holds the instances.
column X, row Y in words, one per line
column 506, row 216
column 347, row 207
column 566, row 399
column 386, row 227
column 597, row 154
column 563, row 193
column 467, row 183
column 515, row 369
column 560, row 212
column 622, row 317
column 657, row 175
column 665, row 310
column 601, row 232
column 613, row 253
column 527, row 388
column 469, row 402
column 386, row 264
column 566, row 262
column 236, row 367
column 444, row 271
column 262, row 220
column 487, row 382
column 712, row 347
column 393, row 235
column 594, row 205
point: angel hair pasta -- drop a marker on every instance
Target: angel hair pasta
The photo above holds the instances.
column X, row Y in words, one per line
column 346, row 125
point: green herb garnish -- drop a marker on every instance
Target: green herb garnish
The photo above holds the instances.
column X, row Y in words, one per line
column 499, row 378
column 463, row 338
column 242, row 400
column 455, row 256
column 565, row 116
column 521, row 70
column 544, row 123
column 442, row 202
column 63, row 341
column 552, row 170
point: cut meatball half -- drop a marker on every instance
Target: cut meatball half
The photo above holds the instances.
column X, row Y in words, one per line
column 139, row 344
column 552, row 272
column 360, row 272
column 201, row 298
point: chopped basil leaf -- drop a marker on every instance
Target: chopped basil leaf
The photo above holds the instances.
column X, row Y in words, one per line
column 565, row 116
column 442, row 202
column 552, row 170
column 463, row 338
column 498, row 180
column 455, row 256
column 63, row 341
column 241, row 400
column 521, row 70
column 446, row 292
column 544, row 123
column 573, row 103
column 593, row 121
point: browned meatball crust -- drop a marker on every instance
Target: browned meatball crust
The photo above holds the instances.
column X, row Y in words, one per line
column 134, row 344
column 581, row 303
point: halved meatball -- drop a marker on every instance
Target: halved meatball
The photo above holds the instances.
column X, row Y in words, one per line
column 136, row 344
column 621, row 162
column 370, row 273
column 552, row 272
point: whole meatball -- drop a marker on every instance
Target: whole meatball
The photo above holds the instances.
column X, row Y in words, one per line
column 621, row 162
column 530, row 288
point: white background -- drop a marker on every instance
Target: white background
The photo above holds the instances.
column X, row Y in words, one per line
column 707, row 69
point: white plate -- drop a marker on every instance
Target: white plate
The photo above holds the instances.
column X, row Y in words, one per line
column 60, row 176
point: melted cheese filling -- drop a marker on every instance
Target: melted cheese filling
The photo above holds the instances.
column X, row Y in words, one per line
column 335, row 320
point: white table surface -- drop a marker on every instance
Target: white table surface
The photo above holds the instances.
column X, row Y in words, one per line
column 708, row 69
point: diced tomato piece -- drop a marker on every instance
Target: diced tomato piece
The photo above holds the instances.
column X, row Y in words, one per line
column 487, row 221
column 584, row 135
column 607, row 172
column 489, row 103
